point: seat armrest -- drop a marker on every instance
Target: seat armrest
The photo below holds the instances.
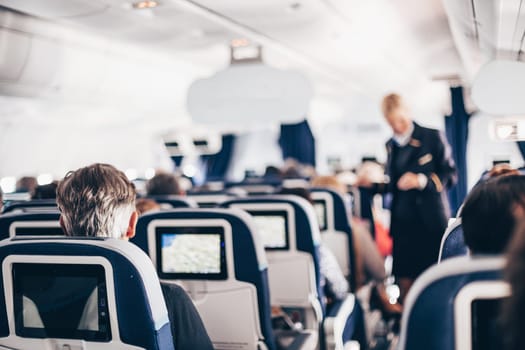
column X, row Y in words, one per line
column 336, row 320
column 297, row 340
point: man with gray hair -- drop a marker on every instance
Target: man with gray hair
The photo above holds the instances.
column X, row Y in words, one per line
column 99, row 201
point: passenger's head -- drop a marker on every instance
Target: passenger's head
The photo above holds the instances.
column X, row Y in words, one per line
column 97, row 201
column 146, row 205
column 272, row 172
column 396, row 113
column 26, row 184
column 48, row 191
column 502, row 169
column 330, row 182
column 163, row 184
column 297, row 191
column 513, row 317
column 490, row 212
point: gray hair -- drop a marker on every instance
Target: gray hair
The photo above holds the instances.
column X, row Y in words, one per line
column 96, row 201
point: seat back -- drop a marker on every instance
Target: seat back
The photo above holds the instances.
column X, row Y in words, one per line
column 172, row 202
column 216, row 256
column 31, row 206
column 454, row 305
column 336, row 231
column 66, row 293
column 29, row 224
column 288, row 226
column 453, row 242
column 209, row 199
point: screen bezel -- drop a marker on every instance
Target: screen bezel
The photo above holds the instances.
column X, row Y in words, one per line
column 38, row 231
column 281, row 213
column 323, row 226
column 73, row 270
column 159, row 231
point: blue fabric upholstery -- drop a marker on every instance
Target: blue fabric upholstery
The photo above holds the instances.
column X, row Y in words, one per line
column 6, row 220
column 31, row 205
column 304, row 237
column 174, row 201
column 342, row 224
column 428, row 318
column 246, row 265
column 133, row 305
column 454, row 244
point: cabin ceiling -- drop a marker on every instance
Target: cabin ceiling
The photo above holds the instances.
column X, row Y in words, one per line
column 350, row 45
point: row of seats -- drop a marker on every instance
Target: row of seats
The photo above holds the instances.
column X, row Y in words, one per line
column 240, row 276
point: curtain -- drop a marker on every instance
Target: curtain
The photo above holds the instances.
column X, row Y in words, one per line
column 177, row 160
column 297, row 142
column 521, row 146
column 456, row 126
column 217, row 164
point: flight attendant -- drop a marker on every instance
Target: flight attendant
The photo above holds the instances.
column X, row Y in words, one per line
column 421, row 169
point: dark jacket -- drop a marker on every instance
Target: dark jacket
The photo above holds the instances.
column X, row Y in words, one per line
column 428, row 153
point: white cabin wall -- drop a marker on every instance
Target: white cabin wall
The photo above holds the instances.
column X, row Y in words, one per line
column 482, row 149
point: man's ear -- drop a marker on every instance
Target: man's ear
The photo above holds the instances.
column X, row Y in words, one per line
column 130, row 233
column 61, row 221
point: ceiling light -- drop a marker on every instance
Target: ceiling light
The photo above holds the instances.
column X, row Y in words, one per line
column 44, row 179
column 146, row 4
column 241, row 42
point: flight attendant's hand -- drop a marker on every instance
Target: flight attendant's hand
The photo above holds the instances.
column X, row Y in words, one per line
column 409, row 181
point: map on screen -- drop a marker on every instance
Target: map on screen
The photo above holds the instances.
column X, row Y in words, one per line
column 191, row 253
column 272, row 230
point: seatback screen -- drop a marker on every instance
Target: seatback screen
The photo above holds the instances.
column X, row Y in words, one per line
column 61, row 301
column 320, row 210
column 272, row 227
column 486, row 331
column 191, row 253
column 39, row 231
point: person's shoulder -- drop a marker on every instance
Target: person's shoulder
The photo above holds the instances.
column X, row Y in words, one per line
column 424, row 131
column 173, row 290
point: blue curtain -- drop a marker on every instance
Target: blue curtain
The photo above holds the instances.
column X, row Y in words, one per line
column 218, row 164
column 456, row 126
column 297, row 142
column 521, row 146
column 177, row 160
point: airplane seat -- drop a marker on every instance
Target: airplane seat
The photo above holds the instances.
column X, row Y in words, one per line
column 454, row 305
column 336, row 231
column 173, row 202
column 230, row 291
column 34, row 205
column 33, row 224
column 453, row 242
column 80, row 293
column 293, row 264
column 209, row 199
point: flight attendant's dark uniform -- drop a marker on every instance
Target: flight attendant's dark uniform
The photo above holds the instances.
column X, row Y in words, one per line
column 419, row 217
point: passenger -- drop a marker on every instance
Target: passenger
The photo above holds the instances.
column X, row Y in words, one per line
column 146, row 205
column 502, row 169
column 48, row 191
column 369, row 259
column 99, row 201
column 490, row 213
column 163, row 184
column 26, row 184
column 421, row 169
column 272, row 173
column 513, row 317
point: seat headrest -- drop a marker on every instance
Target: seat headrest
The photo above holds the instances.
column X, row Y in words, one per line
column 131, row 281
column 10, row 220
column 429, row 312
